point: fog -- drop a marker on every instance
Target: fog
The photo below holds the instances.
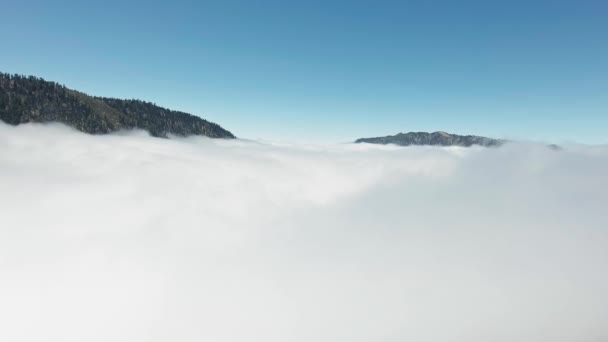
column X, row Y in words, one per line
column 125, row 237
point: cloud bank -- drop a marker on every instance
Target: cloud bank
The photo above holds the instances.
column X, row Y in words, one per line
column 130, row 238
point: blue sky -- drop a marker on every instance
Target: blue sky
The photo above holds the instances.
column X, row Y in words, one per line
column 332, row 70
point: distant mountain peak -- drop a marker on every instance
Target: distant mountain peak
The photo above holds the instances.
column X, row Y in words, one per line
column 31, row 99
column 439, row 138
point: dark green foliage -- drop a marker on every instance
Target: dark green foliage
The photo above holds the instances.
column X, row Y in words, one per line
column 31, row 99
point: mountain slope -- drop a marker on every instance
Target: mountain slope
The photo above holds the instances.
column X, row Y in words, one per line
column 31, row 99
column 435, row 138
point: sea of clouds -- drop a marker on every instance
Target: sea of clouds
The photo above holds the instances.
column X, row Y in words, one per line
column 130, row 238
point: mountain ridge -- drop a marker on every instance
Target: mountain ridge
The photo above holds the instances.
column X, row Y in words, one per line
column 32, row 99
column 439, row 138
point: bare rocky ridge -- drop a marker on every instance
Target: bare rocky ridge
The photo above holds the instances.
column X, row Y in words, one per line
column 31, row 99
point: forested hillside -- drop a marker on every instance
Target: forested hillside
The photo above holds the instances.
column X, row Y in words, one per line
column 32, row 99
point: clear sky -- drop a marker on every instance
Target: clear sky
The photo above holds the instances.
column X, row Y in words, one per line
column 332, row 70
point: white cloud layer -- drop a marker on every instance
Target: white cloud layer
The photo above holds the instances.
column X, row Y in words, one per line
column 131, row 238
